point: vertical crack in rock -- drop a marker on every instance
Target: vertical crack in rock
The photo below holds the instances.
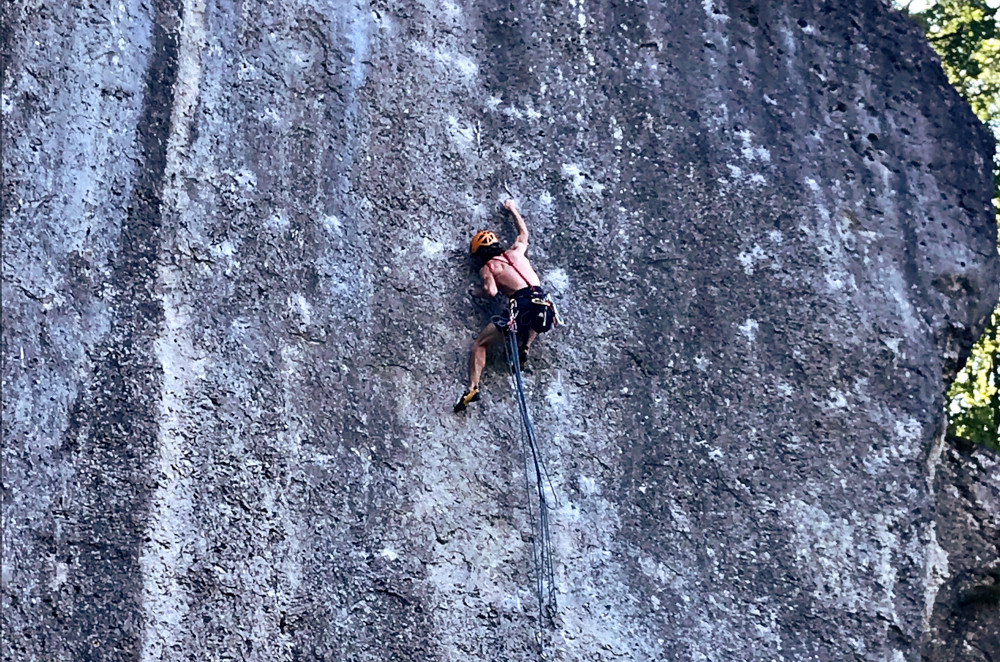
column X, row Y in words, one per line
column 114, row 424
column 166, row 554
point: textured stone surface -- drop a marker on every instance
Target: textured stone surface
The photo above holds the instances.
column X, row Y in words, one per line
column 235, row 318
column 966, row 619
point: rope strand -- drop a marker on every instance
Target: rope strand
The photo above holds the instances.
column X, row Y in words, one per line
column 541, row 541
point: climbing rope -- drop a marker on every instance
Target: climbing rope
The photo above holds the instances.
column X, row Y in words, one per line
column 536, row 478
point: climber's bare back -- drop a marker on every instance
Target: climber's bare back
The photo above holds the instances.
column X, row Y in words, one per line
column 505, row 276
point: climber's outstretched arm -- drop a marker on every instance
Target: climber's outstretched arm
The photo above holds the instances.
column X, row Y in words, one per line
column 521, row 243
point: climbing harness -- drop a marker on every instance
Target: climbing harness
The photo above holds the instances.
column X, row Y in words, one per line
column 536, row 480
column 546, row 312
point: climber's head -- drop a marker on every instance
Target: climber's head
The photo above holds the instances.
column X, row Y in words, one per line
column 485, row 245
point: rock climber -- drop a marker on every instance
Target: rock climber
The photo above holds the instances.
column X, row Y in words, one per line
column 510, row 272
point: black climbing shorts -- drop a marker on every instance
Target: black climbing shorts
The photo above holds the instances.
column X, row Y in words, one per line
column 532, row 310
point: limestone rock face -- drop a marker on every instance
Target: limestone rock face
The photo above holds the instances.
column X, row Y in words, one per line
column 966, row 619
column 236, row 316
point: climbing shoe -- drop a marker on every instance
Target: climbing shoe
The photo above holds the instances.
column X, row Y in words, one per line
column 469, row 396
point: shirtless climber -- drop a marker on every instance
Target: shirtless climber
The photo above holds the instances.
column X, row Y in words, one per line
column 509, row 272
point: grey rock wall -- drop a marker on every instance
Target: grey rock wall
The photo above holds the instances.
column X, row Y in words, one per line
column 966, row 618
column 235, row 317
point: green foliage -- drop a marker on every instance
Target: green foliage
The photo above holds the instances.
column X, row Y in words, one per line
column 966, row 34
column 974, row 397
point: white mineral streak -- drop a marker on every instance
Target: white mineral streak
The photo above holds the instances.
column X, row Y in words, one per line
column 935, row 575
column 714, row 110
column 894, row 283
column 283, row 582
column 581, row 18
column 829, row 243
column 165, row 557
column 936, row 565
column 352, row 25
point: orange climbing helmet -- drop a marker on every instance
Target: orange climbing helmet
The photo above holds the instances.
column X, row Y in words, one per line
column 483, row 238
